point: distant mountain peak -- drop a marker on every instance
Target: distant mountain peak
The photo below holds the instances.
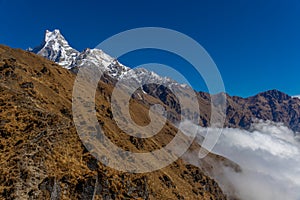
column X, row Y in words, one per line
column 56, row 48
column 274, row 94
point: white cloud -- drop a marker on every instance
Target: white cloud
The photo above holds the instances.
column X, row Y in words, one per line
column 269, row 155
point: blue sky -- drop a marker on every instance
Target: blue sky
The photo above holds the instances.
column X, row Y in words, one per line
column 255, row 44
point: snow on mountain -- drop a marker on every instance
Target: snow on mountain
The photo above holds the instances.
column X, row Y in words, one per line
column 138, row 76
column 297, row 96
column 56, row 48
column 97, row 57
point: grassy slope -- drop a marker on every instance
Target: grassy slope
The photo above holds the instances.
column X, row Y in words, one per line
column 42, row 157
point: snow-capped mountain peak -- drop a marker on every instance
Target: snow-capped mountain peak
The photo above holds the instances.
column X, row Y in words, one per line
column 56, row 48
column 98, row 58
column 96, row 55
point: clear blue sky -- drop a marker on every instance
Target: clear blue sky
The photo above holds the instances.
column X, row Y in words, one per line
column 255, row 44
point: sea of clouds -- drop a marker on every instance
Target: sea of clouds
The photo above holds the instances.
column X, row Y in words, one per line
column 269, row 156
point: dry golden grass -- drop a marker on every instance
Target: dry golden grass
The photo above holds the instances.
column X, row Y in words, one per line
column 42, row 157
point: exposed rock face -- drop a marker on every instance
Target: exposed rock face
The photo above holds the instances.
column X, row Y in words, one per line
column 271, row 105
column 276, row 106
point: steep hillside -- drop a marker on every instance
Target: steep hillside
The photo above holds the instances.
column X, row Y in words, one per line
column 42, row 156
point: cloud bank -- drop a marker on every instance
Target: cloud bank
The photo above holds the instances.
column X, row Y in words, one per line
column 269, row 156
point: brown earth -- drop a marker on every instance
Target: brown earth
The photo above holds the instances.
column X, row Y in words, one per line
column 42, row 157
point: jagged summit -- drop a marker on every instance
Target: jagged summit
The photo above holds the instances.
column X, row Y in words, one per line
column 271, row 95
column 275, row 94
column 54, row 35
column 98, row 58
column 56, row 48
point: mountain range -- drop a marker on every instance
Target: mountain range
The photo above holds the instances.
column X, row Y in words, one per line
column 42, row 157
column 271, row 105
